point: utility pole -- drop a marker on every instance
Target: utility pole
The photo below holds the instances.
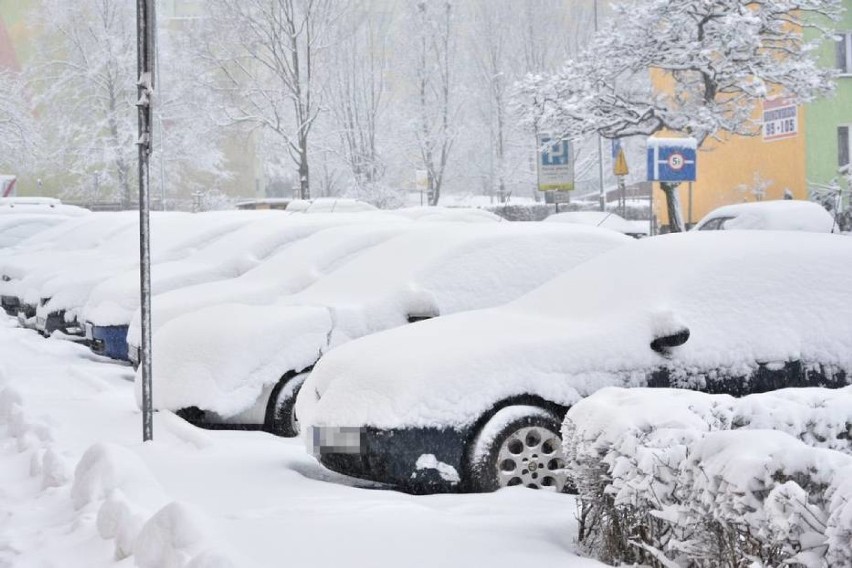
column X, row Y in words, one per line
column 146, row 33
column 600, row 142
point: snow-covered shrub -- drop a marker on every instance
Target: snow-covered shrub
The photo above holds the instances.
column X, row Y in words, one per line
column 522, row 212
column 671, row 478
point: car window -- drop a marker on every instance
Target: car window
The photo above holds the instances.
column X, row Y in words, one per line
column 716, row 224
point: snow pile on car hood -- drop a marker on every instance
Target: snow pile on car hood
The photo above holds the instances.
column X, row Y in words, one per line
column 426, row 271
column 744, row 296
column 780, row 215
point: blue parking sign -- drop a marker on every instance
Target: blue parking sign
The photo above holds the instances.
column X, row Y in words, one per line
column 672, row 159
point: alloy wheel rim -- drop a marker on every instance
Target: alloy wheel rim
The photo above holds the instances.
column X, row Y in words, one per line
column 531, row 456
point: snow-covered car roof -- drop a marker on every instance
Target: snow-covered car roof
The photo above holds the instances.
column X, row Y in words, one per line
column 114, row 301
column 603, row 219
column 292, row 268
column 53, row 244
column 449, row 214
column 39, row 206
column 745, row 297
column 779, row 215
column 16, row 229
column 67, row 279
column 434, row 269
column 329, row 205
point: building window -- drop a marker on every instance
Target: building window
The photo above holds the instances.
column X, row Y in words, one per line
column 844, row 53
column 843, row 144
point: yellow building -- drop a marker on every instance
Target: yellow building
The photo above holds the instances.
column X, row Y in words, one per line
column 737, row 169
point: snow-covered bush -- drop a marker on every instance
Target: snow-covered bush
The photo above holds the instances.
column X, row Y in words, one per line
column 676, row 478
column 522, row 212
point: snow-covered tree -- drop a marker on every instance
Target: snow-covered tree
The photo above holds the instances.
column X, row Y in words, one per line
column 435, row 50
column 85, row 88
column 17, row 132
column 84, row 84
column 357, row 95
column 717, row 60
column 265, row 56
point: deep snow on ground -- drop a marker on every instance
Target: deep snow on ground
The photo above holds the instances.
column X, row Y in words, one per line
column 206, row 499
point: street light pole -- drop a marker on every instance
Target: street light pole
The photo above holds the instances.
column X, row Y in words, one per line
column 146, row 21
column 600, row 141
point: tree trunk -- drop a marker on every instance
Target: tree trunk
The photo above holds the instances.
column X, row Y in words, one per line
column 673, row 206
column 304, row 173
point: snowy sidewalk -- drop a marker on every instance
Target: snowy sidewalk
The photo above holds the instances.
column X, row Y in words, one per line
column 214, row 499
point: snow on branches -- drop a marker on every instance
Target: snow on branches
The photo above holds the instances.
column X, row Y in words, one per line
column 719, row 59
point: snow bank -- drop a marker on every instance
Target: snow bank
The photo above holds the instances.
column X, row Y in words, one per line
column 744, row 296
column 178, row 536
column 780, row 215
column 133, row 510
column 680, row 476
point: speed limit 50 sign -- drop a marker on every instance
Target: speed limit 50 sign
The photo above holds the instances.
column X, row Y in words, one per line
column 672, row 159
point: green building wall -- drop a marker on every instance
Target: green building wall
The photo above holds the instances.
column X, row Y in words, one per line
column 824, row 116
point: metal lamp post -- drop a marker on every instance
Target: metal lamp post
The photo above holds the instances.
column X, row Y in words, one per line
column 146, row 21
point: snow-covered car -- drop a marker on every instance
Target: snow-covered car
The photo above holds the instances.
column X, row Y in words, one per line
column 112, row 304
column 61, row 290
column 778, row 215
column 603, row 219
column 329, row 205
column 475, row 401
column 48, row 249
column 243, row 365
column 288, row 271
column 449, row 214
column 15, row 229
column 39, row 206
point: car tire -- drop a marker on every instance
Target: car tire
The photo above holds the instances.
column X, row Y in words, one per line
column 519, row 445
column 281, row 417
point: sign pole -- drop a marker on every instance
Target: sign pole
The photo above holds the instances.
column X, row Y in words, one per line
column 145, row 53
column 689, row 222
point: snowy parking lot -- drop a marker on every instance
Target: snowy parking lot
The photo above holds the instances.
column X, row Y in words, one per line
column 79, row 489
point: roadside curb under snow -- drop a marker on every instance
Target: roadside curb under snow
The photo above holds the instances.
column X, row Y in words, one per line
column 115, row 483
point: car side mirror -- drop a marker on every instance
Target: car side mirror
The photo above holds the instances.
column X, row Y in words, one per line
column 664, row 344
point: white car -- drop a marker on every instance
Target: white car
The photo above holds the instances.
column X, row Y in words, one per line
column 779, row 215
column 475, row 401
column 241, row 364
column 39, row 206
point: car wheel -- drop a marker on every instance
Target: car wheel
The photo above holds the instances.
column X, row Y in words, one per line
column 281, row 410
column 519, row 445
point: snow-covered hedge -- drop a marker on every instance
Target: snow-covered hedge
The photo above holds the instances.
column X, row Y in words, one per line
column 680, row 478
